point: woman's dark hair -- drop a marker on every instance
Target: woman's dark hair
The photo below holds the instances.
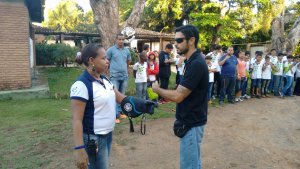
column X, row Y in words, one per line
column 189, row 31
column 90, row 50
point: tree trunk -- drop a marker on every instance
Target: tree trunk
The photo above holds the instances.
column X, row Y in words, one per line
column 278, row 38
column 293, row 36
column 106, row 18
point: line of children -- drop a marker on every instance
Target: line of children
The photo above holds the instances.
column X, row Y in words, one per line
column 279, row 70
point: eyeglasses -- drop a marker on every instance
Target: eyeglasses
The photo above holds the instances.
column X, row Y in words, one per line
column 179, row 40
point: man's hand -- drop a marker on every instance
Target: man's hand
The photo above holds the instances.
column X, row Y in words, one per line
column 81, row 159
column 227, row 57
column 155, row 86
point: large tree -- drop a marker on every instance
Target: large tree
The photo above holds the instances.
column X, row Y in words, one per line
column 107, row 18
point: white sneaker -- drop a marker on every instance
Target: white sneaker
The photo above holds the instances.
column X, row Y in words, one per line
column 247, row 97
column 240, row 99
column 236, row 99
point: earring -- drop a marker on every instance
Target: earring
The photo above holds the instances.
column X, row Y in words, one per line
column 93, row 68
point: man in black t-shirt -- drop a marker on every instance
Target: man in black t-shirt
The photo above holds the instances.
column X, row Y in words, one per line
column 190, row 96
column 165, row 62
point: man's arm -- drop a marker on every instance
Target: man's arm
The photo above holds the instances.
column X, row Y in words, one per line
column 176, row 96
column 222, row 62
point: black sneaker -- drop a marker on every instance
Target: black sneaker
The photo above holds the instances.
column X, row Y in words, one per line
column 231, row 102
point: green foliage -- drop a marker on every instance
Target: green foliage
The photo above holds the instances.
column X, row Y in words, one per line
column 162, row 15
column 44, row 54
column 59, row 54
column 86, row 23
column 125, row 8
column 212, row 25
column 297, row 50
column 134, row 56
column 64, row 53
column 69, row 16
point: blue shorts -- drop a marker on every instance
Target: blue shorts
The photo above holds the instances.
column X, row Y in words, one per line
column 256, row 83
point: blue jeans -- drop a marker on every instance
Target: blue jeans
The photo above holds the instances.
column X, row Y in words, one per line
column 278, row 80
column 271, row 85
column 101, row 159
column 190, row 148
column 239, row 84
column 287, row 89
column 141, row 90
column 244, row 87
column 227, row 87
column 121, row 86
column 209, row 91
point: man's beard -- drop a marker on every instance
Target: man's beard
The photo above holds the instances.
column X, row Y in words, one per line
column 182, row 52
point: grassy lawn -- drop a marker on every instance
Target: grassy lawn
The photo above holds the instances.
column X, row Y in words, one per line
column 35, row 132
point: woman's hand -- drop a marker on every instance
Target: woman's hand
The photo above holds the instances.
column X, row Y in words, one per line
column 81, row 159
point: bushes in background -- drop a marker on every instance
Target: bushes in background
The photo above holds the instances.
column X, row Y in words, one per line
column 55, row 54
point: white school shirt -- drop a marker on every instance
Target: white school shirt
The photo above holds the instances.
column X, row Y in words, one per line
column 279, row 66
column 257, row 70
column 247, row 66
column 179, row 68
column 273, row 59
column 291, row 72
column 141, row 72
column 211, row 74
column 215, row 58
column 267, row 73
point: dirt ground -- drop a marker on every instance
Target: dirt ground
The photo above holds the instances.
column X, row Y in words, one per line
column 257, row 133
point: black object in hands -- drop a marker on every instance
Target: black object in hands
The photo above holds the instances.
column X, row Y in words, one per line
column 134, row 107
column 91, row 147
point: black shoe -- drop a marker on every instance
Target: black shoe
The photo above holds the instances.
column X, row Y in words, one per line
column 257, row 96
column 231, row 102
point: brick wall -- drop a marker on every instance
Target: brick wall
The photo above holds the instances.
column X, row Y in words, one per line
column 14, row 46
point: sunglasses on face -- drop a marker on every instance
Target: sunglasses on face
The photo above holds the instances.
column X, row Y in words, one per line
column 179, row 40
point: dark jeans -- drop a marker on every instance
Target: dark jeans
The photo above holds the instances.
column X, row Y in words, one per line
column 244, row 88
column 210, row 85
column 271, row 84
column 288, row 86
column 239, row 84
column 164, row 83
column 297, row 87
column 264, row 86
column 278, row 81
column 227, row 87
column 217, row 84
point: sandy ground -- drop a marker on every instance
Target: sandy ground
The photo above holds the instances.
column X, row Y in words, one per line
column 257, row 133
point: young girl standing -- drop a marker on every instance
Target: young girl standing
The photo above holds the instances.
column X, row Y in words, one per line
column 241, row 76
column 140, row 75
column 152, row 68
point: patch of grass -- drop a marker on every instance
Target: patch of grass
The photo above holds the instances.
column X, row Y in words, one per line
column 61, row 79
column 33, row 131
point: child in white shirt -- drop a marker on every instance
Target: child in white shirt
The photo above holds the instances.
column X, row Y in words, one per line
column 266, row 76
column 140, row 75
column 211, row 70
column 278, row 75
column 256, row 76
column 289, row 70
